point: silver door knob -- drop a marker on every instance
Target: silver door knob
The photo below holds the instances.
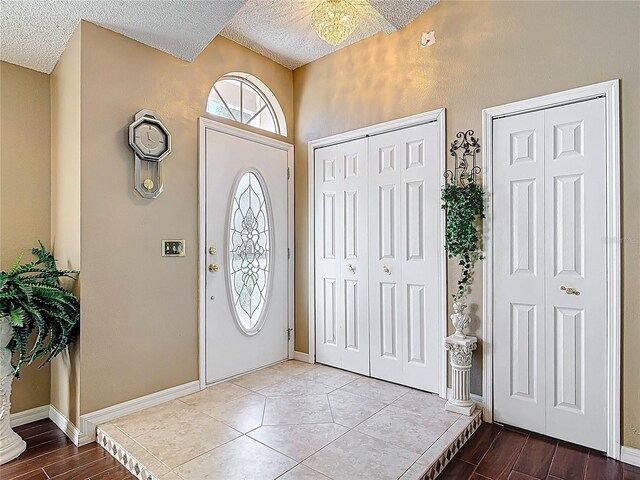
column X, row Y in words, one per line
column 569, row 290
column 352, row 269
column 386, row 270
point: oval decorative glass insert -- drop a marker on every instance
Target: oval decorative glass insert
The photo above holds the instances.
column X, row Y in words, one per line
column 249, row 252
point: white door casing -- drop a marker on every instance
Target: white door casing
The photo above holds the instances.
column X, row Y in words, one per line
column 404, row 292
column 230, row 157
column 342, row 306
column 550, row 271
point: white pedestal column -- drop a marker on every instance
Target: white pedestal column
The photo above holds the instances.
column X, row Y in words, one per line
column 460, row 351
column 11, row 445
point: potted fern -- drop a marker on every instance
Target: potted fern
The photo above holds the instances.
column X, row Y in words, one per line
column 38, row 320
column 463, row 200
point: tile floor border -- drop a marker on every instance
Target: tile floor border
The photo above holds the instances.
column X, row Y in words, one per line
column 127, row 460
column 445, row 456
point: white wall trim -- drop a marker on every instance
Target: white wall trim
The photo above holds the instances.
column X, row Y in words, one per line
column 86, row 432
column 90, row 421
column 630, row 455
column 70, row 430
column 204, row 124
column 610, row 91
column 302, row 357
column 439, row 116
column 28, row 416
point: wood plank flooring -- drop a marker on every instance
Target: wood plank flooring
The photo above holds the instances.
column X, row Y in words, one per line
column 50, row 454
column 502, row 453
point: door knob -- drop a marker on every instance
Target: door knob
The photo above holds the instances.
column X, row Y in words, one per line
column 213, row 267
column 569, row 290
column 352, row 269
column 213, row 250
column 386, row 270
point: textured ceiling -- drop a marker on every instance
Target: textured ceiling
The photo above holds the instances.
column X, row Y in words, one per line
column 282, row 29
column 34, row 33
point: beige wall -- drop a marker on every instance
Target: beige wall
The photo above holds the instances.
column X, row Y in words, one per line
column 139, row 310
column 25, row 144
column 65, row 208
column 487, row 54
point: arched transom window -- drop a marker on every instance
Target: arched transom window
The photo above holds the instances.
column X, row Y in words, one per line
column 245, row 99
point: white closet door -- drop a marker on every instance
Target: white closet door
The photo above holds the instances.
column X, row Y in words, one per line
column 519, row 278
column 342, row 309
column 549, row 220
column 575, row 218
column 404, row 281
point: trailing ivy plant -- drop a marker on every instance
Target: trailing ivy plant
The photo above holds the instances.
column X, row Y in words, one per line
column 464, row 203
column 33, row 301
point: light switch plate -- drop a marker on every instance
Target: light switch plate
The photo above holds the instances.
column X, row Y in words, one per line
column 173, row 248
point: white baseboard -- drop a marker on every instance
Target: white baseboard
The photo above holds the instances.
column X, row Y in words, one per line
column 28, row 416
column 86, row 433
column 630, row 455
column 70, row 430
column 301, row 356
column 90, row 421
column 476, row 398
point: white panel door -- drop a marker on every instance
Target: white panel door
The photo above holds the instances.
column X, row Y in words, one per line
column 549, row 217
column 342, row 308
column 246, row 223
column 404, row 280
column 519, row 271
column 575, row 246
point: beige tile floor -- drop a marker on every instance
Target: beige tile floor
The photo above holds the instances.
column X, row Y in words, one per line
column 292, row 421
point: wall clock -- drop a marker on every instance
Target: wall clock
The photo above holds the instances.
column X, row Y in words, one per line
column 151, row 143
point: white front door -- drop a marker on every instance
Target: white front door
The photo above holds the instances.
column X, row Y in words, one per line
column 405, row 285
column 246, row 286
column 549, row 217
column 342, row 259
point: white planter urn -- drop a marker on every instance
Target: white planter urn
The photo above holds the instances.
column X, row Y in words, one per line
column 11, row 445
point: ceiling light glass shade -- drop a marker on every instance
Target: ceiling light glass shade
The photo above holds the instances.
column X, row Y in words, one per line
column 335, row 20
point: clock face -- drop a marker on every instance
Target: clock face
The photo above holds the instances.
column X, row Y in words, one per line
column 150, row 139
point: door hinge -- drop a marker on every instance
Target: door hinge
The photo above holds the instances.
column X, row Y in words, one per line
column 289, row 330
column 288, row 173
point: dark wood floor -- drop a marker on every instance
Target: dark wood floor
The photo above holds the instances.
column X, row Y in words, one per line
column 501, row 453
column 50, row 454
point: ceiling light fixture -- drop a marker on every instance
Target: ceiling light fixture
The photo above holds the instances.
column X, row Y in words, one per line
column 334, row 20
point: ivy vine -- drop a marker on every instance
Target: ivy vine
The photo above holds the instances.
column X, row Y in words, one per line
column 464, row 204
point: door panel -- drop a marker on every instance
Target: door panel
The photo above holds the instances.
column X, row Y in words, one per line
column 246, row 309
column 575, row 218
column 341, row 270
column 518, row 223
column 404, row 282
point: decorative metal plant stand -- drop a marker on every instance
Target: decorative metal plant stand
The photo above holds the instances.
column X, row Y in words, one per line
column 11, row 445
column 460, row 346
